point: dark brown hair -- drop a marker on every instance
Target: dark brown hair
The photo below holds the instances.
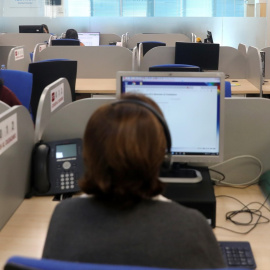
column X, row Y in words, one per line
column 71, row 33
column 124, row 146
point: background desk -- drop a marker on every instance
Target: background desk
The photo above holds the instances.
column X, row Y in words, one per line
column 242, row 87
column 25, row 232
column 266, row 86
column 95, row 86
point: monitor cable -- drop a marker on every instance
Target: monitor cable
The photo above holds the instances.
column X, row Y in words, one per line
column 227, row 182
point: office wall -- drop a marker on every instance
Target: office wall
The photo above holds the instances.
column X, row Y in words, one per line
column 228, row 31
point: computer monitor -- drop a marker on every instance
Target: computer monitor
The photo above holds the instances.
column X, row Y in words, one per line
column 89, row 39
column 31, row 29
column 204, row 55
column 193, row 106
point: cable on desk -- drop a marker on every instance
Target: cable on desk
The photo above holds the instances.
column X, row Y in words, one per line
column 226, row 182
column 255, row 214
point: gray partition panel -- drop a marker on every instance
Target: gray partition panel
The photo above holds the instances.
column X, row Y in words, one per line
column 93, row 61
column 28, row 40
column 161, row 55
column 267, row 62
column 247, row 132
column 232, row 62
column 106, row 39
column 15, row 161
column 254, row 67
column 19, row 59
column 4, row 53
column 54, row 97
column 242, row 48
column 71, row 120
column 3, row 106
column 168, row 38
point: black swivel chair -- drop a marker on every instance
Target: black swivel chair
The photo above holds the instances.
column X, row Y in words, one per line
column 65, row 42
column 48, row 71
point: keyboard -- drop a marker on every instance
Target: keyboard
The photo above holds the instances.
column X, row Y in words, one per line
column 238, row 254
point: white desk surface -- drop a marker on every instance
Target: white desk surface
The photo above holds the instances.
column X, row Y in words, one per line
column 25, row 232
column 95, row 86
column 242, row 87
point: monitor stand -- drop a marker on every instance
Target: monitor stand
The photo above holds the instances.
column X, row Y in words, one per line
column 180, row 174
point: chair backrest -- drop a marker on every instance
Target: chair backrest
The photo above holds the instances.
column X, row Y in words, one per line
column 228, row 90
column 45, row 73
column 65, row 42
column 23, row 263
column 20, row 83
column 145, row 46
column 175, row 67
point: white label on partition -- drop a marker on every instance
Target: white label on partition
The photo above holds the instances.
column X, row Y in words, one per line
column 57, row 96
column 19, row 54
column 41, row 47
column 8, row 133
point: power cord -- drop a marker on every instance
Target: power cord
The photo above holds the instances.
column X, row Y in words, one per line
column 226, row 182
column 255, row 214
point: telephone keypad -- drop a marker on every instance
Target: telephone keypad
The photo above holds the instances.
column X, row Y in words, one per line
column 67, row 179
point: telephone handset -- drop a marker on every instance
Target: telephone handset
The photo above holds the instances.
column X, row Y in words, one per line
column 57, row 166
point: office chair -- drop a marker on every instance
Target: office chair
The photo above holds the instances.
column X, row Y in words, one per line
column 48, row 71
column 175, row 67
column 228, row 91
column 141, row 49
column 23, row 263
column 20, row 83
column 65, row 42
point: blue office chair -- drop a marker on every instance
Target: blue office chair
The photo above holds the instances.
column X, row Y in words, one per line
column 175, row 67
column 23, row 263
column 228, row 91
column 20, row 83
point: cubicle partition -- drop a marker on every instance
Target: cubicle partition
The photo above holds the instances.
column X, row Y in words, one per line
column 18, row 59
column 4, row 53
column 75, row 115
column 93, row 61
column 168, row 38
column 54, row 97
column 29, row 40
column 108, row 39
column 16, row 143
column 3, row 106
column 246, row 139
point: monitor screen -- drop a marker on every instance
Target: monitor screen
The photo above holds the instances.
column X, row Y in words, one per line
column 30, row 28
column 193, row 106
column 204, row 55
column 89, row 39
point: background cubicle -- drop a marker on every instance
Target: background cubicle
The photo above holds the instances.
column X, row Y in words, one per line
column 93, row 61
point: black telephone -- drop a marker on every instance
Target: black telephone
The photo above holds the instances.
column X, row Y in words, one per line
column 56, row 167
